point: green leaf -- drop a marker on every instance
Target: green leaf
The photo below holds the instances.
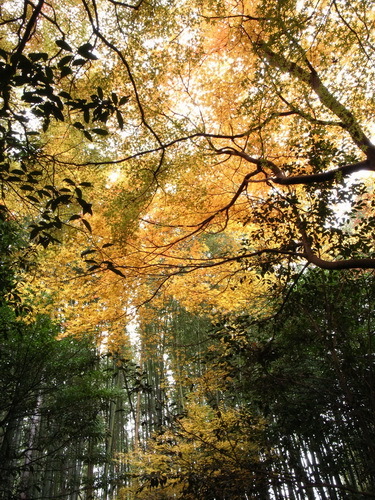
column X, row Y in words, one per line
column 57, row 113
column 21, row 118
column 124, row 100
column 114, row 98
column 75, row 217
column 63, row 45
column 4, row 54
column 65, row 60
column 85, row 51
column 85, row 47
column 78, row 125
column 100, row 131
column 86, row 252
column 100, row 93
column 46, row 239
column 46, row 91
column 49, row 74
column 46, row 124
column 58, row 101
column 50, row 188
column 37, row 56
column 91, row 56
column 57, row 222
column 31, row 97
column 86, row 116
column 79, row 62
column 87, row 225
column 4, row 167
column 93, row 268
column 65, row 95
column 34, row 232
column 87, row 135
column 120, row 120
column 30, row 179
column 69, row 181
column 86, row 207
column 63, row 199
column 32, row 198
column 116, row 271
column 42, row 193
column 17, row 171
column 13, row 178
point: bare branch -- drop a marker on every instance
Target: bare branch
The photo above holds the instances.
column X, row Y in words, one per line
column 127, row 5
column 330, row 175
column 356, row 263
column 27, row 33
column 122, row 58
column 312, row 79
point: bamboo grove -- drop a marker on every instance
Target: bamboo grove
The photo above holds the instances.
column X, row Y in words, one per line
column 186, row 257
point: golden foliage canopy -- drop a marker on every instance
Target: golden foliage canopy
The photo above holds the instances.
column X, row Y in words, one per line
column 220, row 138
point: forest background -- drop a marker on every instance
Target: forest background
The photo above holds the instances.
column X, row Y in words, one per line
column 187, row 251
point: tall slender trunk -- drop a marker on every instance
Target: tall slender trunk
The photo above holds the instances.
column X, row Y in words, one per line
column 9, row 465
column 90, row 470
column 28, row 478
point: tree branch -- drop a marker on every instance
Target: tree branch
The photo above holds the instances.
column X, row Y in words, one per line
column 129, row 6
column 312, row 79
column 330, row 175
column 356, row 263
column 27, row 33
